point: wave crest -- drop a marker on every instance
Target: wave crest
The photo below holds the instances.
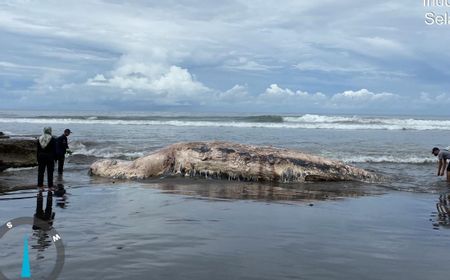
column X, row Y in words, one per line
column 389, row 159
column 308, row 121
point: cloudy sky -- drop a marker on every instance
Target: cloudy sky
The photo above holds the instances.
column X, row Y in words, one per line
column 299, row 56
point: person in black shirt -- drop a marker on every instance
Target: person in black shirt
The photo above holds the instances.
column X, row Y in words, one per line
column 61, row 149
column 46, row 157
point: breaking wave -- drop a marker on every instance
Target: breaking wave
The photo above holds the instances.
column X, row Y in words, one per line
column 388, row 159
column 92, row 150
column 308, row 121
column 108, row 152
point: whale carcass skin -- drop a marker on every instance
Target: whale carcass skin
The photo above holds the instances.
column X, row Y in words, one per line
column 231, row 161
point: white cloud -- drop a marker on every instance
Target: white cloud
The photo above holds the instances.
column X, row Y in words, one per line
column 276, row 95
column 98, row 80
column 24, row 67
column 174, row 83
column 362, row 95
column 236, row 94
column 275, row 92
column 378, row 45
column 325, row 67
column 244, row 64
column 363, row 98
column 434, row 99
column 348, row 68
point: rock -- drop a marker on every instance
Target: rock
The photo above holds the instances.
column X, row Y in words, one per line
column 231, row 161
column 17, row 152
column 3, row 135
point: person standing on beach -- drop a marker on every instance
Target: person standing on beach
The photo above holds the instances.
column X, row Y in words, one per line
column 443, row 156
column 46, row 157
column 61, row 148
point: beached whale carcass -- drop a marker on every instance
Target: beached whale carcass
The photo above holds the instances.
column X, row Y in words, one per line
column 231, row 161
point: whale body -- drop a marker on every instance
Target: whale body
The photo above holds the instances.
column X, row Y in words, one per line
column 231, row 161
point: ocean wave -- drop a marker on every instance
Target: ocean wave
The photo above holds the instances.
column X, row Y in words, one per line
column 388, row 159
column 192, row 123
column 92, row 149
column 15, row 169
column 264, row 119
column 109, row 154
column 308, row 121
column 252, row 118
column 309, row 118
column 372, row 122
column 81, row 149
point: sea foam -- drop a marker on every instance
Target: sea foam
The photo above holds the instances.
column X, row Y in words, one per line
column 308, row 121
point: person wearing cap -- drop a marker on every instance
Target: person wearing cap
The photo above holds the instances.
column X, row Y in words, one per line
column 443, row 156
column 61, row 148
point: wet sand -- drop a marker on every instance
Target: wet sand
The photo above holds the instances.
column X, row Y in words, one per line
column 205, row 229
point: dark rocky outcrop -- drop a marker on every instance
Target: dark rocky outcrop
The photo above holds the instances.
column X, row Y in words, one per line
column 17, row 152
column 232, row 161
column 3, row 135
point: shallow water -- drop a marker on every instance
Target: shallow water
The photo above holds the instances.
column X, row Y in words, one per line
column 141, row 231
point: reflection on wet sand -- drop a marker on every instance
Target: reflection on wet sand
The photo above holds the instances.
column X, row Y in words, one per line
column 60, row 193
column 442, row 216
column 44, row 218
column 281, row 192
column 43, row 221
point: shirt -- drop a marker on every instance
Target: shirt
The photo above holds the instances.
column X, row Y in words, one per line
column 444, row 154
column 48, row 151
column 61, row 145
